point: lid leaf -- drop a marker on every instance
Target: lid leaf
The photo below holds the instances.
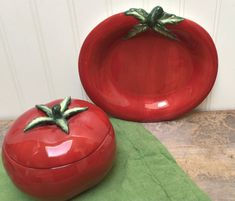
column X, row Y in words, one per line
column 38, row 122
column 45, row 109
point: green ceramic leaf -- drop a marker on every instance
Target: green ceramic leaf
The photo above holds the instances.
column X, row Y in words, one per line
column 38, row 122
column 136, row 30
column 138, row 13
column 70, row 112
column 62, row 123
column 65, row 103
column 170, row 19
column 45, row 109
column 164, row 31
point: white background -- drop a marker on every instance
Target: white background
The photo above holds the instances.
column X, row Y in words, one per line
column 40, row 41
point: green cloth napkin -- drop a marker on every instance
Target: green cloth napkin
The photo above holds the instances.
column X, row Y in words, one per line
column 143, row 171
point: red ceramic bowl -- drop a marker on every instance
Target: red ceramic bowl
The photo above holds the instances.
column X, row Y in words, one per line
column 51, row 165
column 148, row 77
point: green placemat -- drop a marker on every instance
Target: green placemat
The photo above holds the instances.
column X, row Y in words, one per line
column 143, row 171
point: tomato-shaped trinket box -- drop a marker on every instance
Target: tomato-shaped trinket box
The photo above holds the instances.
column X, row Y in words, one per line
column 58, row 150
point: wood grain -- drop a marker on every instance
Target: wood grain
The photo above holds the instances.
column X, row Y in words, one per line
column 203, row 144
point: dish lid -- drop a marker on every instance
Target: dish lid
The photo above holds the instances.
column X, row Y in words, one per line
column 48, row 146
column 147, row 67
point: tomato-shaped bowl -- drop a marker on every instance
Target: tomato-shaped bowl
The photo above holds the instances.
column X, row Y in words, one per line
column 53, row 162
column 149, row 77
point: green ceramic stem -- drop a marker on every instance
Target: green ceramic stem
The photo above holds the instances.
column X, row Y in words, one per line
column 155, row 20
column 58, row 115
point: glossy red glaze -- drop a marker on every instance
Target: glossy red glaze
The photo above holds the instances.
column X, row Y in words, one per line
column 149, row 77
column 51, row 165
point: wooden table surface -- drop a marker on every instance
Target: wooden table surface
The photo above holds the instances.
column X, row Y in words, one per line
column 203, row 144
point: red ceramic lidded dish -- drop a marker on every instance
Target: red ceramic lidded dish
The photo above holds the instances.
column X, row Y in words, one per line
column 58, row 150
column 148, row 67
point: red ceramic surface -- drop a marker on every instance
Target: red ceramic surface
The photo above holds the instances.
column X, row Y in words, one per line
column 51, row 165
column 148, row 77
